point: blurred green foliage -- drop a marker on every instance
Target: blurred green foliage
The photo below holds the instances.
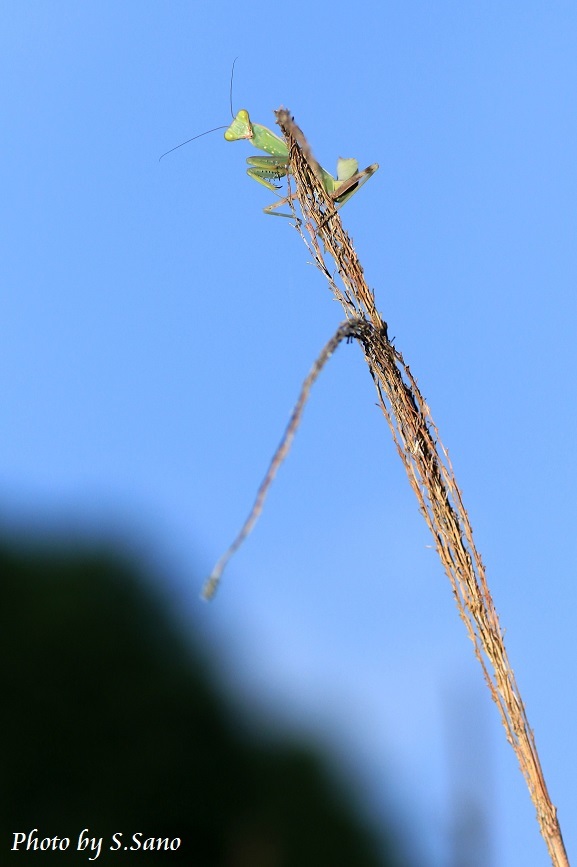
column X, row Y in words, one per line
column 112, row 721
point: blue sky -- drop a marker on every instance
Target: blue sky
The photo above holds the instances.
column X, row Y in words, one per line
column 155, row 328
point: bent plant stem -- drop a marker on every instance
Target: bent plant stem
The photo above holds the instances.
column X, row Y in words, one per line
column 427, row 465
column 346, row 331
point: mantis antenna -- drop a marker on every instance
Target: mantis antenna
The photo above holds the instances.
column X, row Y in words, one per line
column 230, row 90
column 215, row 129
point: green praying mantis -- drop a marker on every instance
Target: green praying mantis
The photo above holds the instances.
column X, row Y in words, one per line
column 275, row 166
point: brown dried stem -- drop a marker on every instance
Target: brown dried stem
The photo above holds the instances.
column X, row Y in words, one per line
column 346, row 330
column 427, row 465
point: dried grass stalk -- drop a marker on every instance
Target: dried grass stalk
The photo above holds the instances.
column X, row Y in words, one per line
column 346, row 331
column 427, row 465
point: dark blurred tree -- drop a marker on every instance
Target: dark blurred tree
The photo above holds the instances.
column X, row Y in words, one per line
column 111, row 721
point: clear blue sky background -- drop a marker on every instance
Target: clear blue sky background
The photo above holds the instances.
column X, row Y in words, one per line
column 155, row 328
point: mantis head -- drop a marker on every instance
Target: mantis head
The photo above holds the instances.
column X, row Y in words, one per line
column 240, row 128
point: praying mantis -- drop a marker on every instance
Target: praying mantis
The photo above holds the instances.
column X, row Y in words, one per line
column 275, row 166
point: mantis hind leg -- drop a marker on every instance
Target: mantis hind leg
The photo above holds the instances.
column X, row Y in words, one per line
column 270, row 211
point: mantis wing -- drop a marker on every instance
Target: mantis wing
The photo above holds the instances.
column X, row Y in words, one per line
column 346, row 187
column 346, row 168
